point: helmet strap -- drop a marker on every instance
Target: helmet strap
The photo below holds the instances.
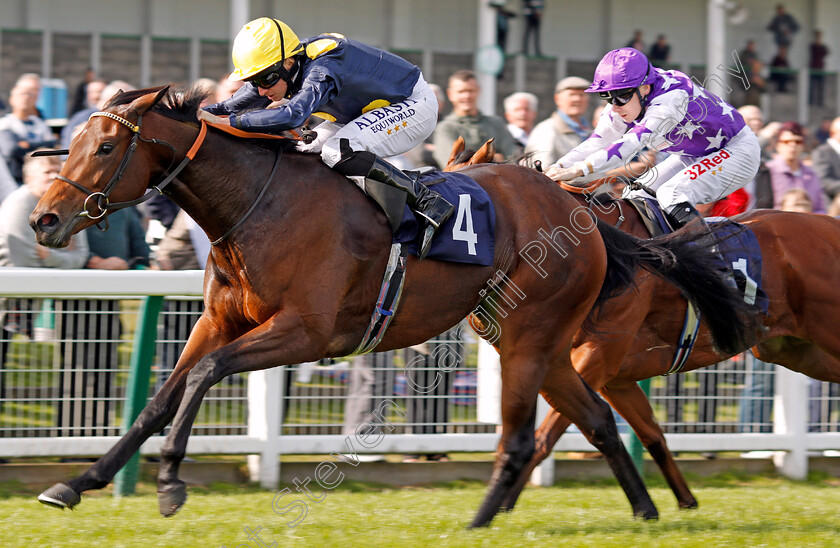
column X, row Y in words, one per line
column 643, row 102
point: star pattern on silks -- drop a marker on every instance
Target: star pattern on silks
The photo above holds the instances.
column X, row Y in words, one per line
column 594, row 136
column 640, row 130
column 697, row 91
column 668, row 82
column 714, row 142
column 688, row 129
column 727, row 109
column 614, row 150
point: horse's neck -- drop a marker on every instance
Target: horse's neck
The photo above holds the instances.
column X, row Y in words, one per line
column 229, row 175
column 223, row 181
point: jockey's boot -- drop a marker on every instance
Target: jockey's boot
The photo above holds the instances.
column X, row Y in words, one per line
column 431, row 207
column 682, row 214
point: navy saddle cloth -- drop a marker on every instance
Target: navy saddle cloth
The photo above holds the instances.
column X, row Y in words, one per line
column 469, row 235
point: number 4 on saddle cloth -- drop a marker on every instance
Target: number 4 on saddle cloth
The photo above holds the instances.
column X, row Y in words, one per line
column 468, row 236
column 741, row 254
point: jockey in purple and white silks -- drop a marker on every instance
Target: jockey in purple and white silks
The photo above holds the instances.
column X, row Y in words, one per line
column 712, row 151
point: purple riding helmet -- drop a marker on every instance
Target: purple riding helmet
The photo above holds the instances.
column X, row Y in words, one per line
column 619, row 75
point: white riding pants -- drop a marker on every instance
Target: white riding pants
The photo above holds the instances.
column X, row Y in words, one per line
column 385, row 131
column 704, row 179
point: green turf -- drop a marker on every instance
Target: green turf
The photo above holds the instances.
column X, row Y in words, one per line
column 734, row 511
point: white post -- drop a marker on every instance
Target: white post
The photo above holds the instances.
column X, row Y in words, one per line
column 803, row 91
column 486, row 37
column 716, row 42
column 146, row 60
column 265, row 404
column 543, row 475
column 195, row 58
column 489, row 387
column 46, row 53
column 790, row 416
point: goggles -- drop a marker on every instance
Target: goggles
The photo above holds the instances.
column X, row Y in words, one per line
column 270, row 76
column 617, row 97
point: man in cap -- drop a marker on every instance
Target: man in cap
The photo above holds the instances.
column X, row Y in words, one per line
column 567, row 127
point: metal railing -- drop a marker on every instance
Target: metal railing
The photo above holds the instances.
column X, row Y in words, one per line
column 67, row 351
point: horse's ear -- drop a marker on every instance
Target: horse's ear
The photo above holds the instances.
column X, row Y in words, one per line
column 457, row 148
column 142, row 104
column 485, row 153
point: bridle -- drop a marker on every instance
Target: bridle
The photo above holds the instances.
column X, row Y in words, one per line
column 101, row 198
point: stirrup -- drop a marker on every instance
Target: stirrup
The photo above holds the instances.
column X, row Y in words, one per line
column 426, row 242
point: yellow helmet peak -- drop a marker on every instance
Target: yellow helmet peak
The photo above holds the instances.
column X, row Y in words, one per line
column 260, row 44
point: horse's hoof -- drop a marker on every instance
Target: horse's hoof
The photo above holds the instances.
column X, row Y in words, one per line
column 651, row 513
column 688, row 505
column 60, row 496
column 172, row 499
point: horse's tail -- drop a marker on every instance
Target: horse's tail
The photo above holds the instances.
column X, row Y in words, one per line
column 682, row 260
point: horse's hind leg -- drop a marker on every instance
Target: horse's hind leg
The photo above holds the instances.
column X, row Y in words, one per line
column 151, row 420
column 595, row 420
column 631, row 403
column 547, row 436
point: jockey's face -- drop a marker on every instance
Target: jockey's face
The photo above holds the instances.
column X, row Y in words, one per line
column 278, row 90
column 633, row 108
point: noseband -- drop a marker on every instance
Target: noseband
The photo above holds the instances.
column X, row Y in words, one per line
column 100, row 198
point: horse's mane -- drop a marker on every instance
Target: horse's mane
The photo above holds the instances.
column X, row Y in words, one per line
column 182, row 103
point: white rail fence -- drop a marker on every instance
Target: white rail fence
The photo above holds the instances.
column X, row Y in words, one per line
column 61, row 394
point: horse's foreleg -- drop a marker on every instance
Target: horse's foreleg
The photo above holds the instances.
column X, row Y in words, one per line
column 565, row 391
column 630, row 401
column 519, row 406
column 547, row 436
column 281, row 340
column 151, row 420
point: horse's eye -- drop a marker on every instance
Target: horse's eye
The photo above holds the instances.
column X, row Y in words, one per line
column 105, row 149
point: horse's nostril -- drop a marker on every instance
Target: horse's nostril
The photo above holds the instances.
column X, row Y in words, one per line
column 47, row 220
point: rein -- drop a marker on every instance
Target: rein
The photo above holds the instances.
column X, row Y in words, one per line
column 101, row 197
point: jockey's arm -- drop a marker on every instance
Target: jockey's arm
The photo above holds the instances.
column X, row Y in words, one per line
column 315, row 91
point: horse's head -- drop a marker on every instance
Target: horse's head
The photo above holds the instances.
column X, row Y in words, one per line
column 459, row 157
column 108, row 163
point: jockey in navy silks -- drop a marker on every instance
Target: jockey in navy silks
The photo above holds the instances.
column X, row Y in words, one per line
column 375, row 104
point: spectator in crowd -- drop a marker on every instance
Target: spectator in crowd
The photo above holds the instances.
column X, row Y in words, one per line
column 466, row 121
column 77, row 121
column 23, row 130
column 752, row 70
column 780, row 70
column 637, row 41
column 766, row 134
column 567, row 127
column 817, row 52
column 532, row 11
column 783, row 26
column 81, row 99
column 787, row 171
column 823, row 131
column 520, row 113
column 225, row 88
column 371, row 381
column 660, row 52
column 18, row 248
column 825, row 161
column 503, row 16
column 17, row 241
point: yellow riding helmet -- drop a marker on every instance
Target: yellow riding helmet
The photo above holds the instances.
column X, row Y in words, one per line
column 260, row 44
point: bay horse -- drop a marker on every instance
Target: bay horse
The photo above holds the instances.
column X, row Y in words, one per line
column 803, row 287
column 296, row 269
